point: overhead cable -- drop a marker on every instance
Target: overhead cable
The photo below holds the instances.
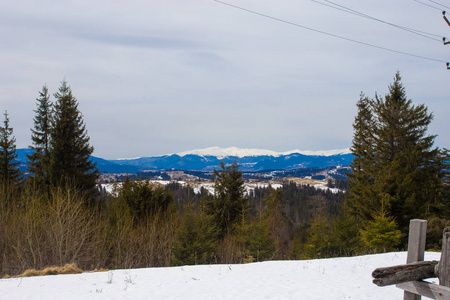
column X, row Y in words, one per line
column 427, row 5
column 357, row 13
column 439, row 4
column 327, row 33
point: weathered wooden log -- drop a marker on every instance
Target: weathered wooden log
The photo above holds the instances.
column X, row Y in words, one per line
column 404, row 273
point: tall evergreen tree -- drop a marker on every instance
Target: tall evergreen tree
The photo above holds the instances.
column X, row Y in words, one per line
column 229, row 205
column 319, row 245
column 69, row 144
column 398, row 163
column 10, row 174
column 279, row 224
column 39, row 159
column 362, row 199
column 411, row 167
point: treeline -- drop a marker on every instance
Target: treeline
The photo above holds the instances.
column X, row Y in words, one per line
column 144, row 225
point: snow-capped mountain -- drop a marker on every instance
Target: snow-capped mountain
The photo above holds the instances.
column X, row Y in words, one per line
column 209, row 159
column 243, row 152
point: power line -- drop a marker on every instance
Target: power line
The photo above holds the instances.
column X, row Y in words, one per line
column 439, row 4
column 327, row 33
column 357, row 13
column 427, row 5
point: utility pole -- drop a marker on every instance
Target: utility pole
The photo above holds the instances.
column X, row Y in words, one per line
column 448, row 22
column 443, row 39
column 445, row 18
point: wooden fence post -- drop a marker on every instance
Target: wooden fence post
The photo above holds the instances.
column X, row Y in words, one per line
column 409, row 277
column 416, row 248
column 444, row 264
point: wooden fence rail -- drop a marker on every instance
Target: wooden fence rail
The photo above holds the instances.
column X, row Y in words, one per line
column 409, row 277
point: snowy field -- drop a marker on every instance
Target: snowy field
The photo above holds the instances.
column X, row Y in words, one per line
column 335, row 278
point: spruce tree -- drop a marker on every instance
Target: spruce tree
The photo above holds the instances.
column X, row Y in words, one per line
column 362, row 199
column 196, row 241
column 318, row 244
column 69, row 144
column 39, row 159
column 256, row 240
column 395, row 160
column 409, row 168
column 142, row 199
column 10, row 174
column 382, row 233
column 279, row 224
column 229, row 205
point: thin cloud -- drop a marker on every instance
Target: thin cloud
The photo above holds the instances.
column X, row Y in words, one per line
column 141, row 41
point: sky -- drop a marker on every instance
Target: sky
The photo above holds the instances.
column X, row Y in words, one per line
column 158, row 77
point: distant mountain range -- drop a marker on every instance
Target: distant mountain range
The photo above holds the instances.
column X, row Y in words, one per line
column 250, row 160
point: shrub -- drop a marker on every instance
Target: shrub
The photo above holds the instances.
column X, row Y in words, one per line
column 53, row 270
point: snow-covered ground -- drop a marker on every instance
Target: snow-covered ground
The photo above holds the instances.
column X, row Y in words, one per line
column 335, row 278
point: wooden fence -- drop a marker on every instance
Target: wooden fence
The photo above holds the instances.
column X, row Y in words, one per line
column 409, row 277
